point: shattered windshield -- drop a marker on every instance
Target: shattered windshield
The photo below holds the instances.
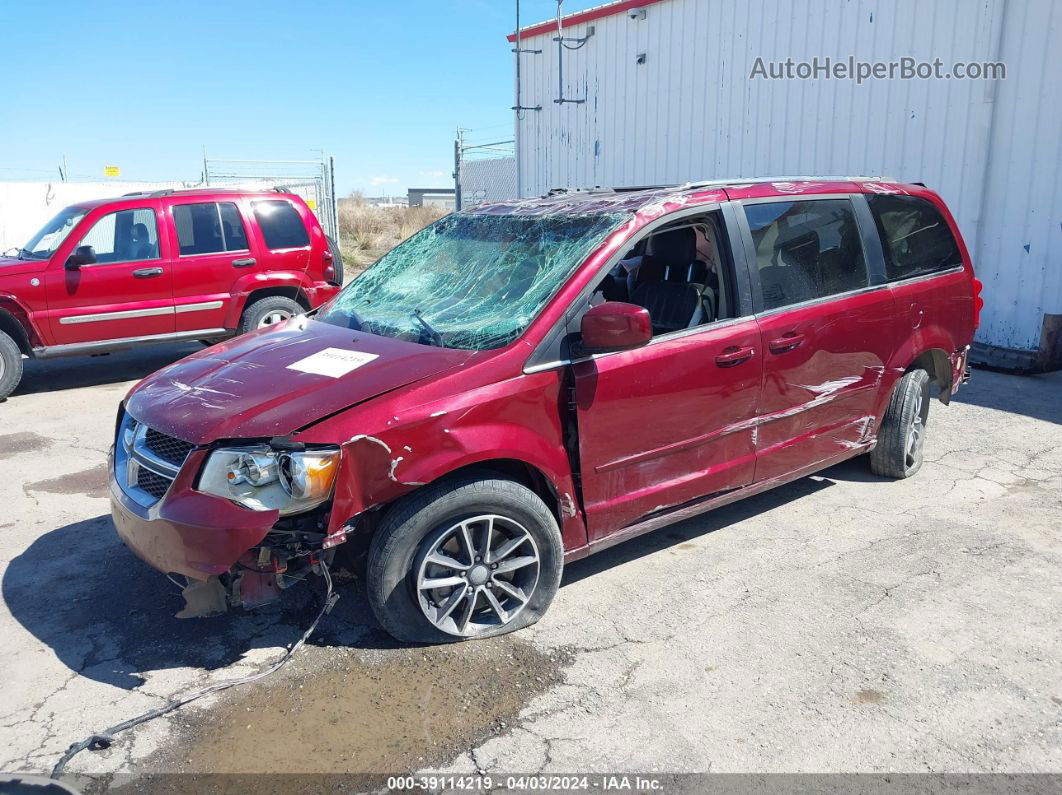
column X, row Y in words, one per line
column 469, row 281
column 43, row 244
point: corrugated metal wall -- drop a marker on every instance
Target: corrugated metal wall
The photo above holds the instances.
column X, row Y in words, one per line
column 691, row 111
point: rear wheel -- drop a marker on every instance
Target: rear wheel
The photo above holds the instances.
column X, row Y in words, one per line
column 10, row 365
column 901, row 440
column 467, row 558
column 267, row 312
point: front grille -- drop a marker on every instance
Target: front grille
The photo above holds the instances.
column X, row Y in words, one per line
column 153, row 484
column 167, row 447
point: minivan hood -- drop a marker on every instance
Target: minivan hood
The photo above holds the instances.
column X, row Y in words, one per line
column 270, row 383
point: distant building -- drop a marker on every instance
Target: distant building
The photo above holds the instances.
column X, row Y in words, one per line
column 431, row 197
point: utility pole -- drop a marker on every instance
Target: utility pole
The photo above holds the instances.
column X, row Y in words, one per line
column 457, row 169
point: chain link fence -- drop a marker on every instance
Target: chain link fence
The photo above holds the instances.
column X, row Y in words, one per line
column 483, row 172
column 313, row 180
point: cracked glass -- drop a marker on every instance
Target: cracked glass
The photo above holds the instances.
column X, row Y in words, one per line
column 470, row 280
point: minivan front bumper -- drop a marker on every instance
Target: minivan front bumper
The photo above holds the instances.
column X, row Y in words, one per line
column 185, row 531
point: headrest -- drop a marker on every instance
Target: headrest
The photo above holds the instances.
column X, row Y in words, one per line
column 675, row 247
column 803, row 247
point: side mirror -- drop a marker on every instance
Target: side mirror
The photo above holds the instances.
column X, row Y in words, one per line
column 83, row 255
column 615, row 326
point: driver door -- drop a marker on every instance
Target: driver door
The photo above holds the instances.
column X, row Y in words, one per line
column 672, row 421
column 125, row 293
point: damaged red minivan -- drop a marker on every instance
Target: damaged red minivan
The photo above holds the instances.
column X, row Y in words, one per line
column 521, row 384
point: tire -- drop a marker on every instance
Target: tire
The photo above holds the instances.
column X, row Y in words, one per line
column 901, row 440
column 337, row 261
column 266, row 312
column 10, row 365
column 399, row 560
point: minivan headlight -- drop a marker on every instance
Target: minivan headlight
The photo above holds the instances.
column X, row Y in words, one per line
column 263, row 479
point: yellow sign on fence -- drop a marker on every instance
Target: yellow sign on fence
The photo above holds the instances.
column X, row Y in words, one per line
column 311, row 203
column 112, row 171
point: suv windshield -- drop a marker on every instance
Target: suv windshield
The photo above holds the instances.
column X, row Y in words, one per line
column 469, row 281
column 43, row 244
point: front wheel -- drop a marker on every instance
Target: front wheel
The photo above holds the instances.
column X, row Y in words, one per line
column 10, row 365
column 467, row 558
column 901, row 440
column 267, row 312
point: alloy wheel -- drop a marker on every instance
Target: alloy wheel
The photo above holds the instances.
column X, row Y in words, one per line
column 476, row 575
column 915, row 434
column 273, row 317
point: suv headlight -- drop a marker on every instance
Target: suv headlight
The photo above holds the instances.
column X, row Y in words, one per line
column 263, row 479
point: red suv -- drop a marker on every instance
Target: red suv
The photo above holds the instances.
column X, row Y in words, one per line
column 160, row 267
column 522, row 384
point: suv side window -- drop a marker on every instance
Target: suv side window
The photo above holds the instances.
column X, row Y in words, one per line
column 124, row 236
column 914, row 236
column 209, row 227
column 281, row 224
column 806, row 249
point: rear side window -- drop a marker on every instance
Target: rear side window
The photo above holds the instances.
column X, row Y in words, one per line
column 281, row 225
column 806, row 249
column 124, row 236
column 209, row 227
column 232, row 227
column 914, row 235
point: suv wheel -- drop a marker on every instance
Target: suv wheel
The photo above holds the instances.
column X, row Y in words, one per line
column 266, row 312
column 10, row 365
column 467, row 558
column 337, row 261
column 901, row 440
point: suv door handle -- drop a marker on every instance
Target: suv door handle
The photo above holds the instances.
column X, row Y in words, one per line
column 786, row 342
column 732, row 356
column 244, row 262
column 147, row 273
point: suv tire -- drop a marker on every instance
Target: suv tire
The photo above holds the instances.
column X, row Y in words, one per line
column 267, row 312
column 337, row 261
column 901, row 440
column 416, row 532
column 10, row 365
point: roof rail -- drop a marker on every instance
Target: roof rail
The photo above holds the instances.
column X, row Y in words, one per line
column 707, row 183
column 787, row 178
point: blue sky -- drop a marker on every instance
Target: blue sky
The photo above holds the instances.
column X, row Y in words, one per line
column 380, row 85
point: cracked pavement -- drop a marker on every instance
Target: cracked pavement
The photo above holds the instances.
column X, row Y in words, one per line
column 840, row 623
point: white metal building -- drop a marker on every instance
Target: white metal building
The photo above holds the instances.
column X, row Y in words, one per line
column 660, row 91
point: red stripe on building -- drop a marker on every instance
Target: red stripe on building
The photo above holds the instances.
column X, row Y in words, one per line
column 583, row 16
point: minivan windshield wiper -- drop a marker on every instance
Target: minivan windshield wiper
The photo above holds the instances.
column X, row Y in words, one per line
column 436, row 337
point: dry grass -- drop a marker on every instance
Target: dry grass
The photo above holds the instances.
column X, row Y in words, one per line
column 370, row 232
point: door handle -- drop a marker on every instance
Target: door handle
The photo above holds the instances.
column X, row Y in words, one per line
column 786, row 342
column 147, row 273
column 734, row 355
column 243, row 262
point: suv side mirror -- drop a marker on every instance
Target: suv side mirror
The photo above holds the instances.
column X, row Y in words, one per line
column 83, row 255
column 615, row 326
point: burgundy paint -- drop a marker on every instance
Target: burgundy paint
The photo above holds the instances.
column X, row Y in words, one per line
column 615, row 326
column 188, row 532
column 666, row 430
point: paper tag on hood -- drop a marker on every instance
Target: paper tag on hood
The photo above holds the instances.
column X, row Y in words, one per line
column 333, row 362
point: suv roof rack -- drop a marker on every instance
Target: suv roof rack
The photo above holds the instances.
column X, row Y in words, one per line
column 155, row 194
